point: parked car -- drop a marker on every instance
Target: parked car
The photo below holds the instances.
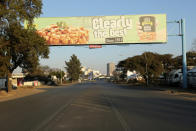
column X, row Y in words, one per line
column 2, row 83
column 191, row 78
column 175, row 77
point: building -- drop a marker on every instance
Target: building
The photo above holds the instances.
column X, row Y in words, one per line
column 89, row 73
column 110, row 69
column 18, row 79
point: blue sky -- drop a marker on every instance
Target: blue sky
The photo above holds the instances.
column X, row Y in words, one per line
column 98, row 58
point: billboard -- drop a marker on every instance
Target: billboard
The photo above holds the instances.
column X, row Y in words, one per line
column 123, row 29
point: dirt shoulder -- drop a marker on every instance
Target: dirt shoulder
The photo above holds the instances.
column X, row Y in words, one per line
column 23, row 92
column 18, row 93
column 183, row 93
column 188, row 94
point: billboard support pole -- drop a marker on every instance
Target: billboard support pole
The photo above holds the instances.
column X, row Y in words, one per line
column 182, row 33
column 184, row 62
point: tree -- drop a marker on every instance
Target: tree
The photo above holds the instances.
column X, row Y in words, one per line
column 151, row 65
column 191, row 60
column 123, row 67
column 154, row 65
column 73, row 67
column 39, row 71
column 148, row 64
column 16, row 11
column 167, row 63
column 59, row 74
column 20, row 47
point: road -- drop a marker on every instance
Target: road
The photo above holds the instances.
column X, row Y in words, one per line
column 98, row 106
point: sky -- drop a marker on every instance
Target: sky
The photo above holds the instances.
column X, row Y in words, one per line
column 98, row 58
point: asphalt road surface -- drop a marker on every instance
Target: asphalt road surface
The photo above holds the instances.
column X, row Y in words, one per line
column 98, row 106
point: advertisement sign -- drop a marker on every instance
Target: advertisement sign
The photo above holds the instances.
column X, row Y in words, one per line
column 94, row 46
column 123, row 29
